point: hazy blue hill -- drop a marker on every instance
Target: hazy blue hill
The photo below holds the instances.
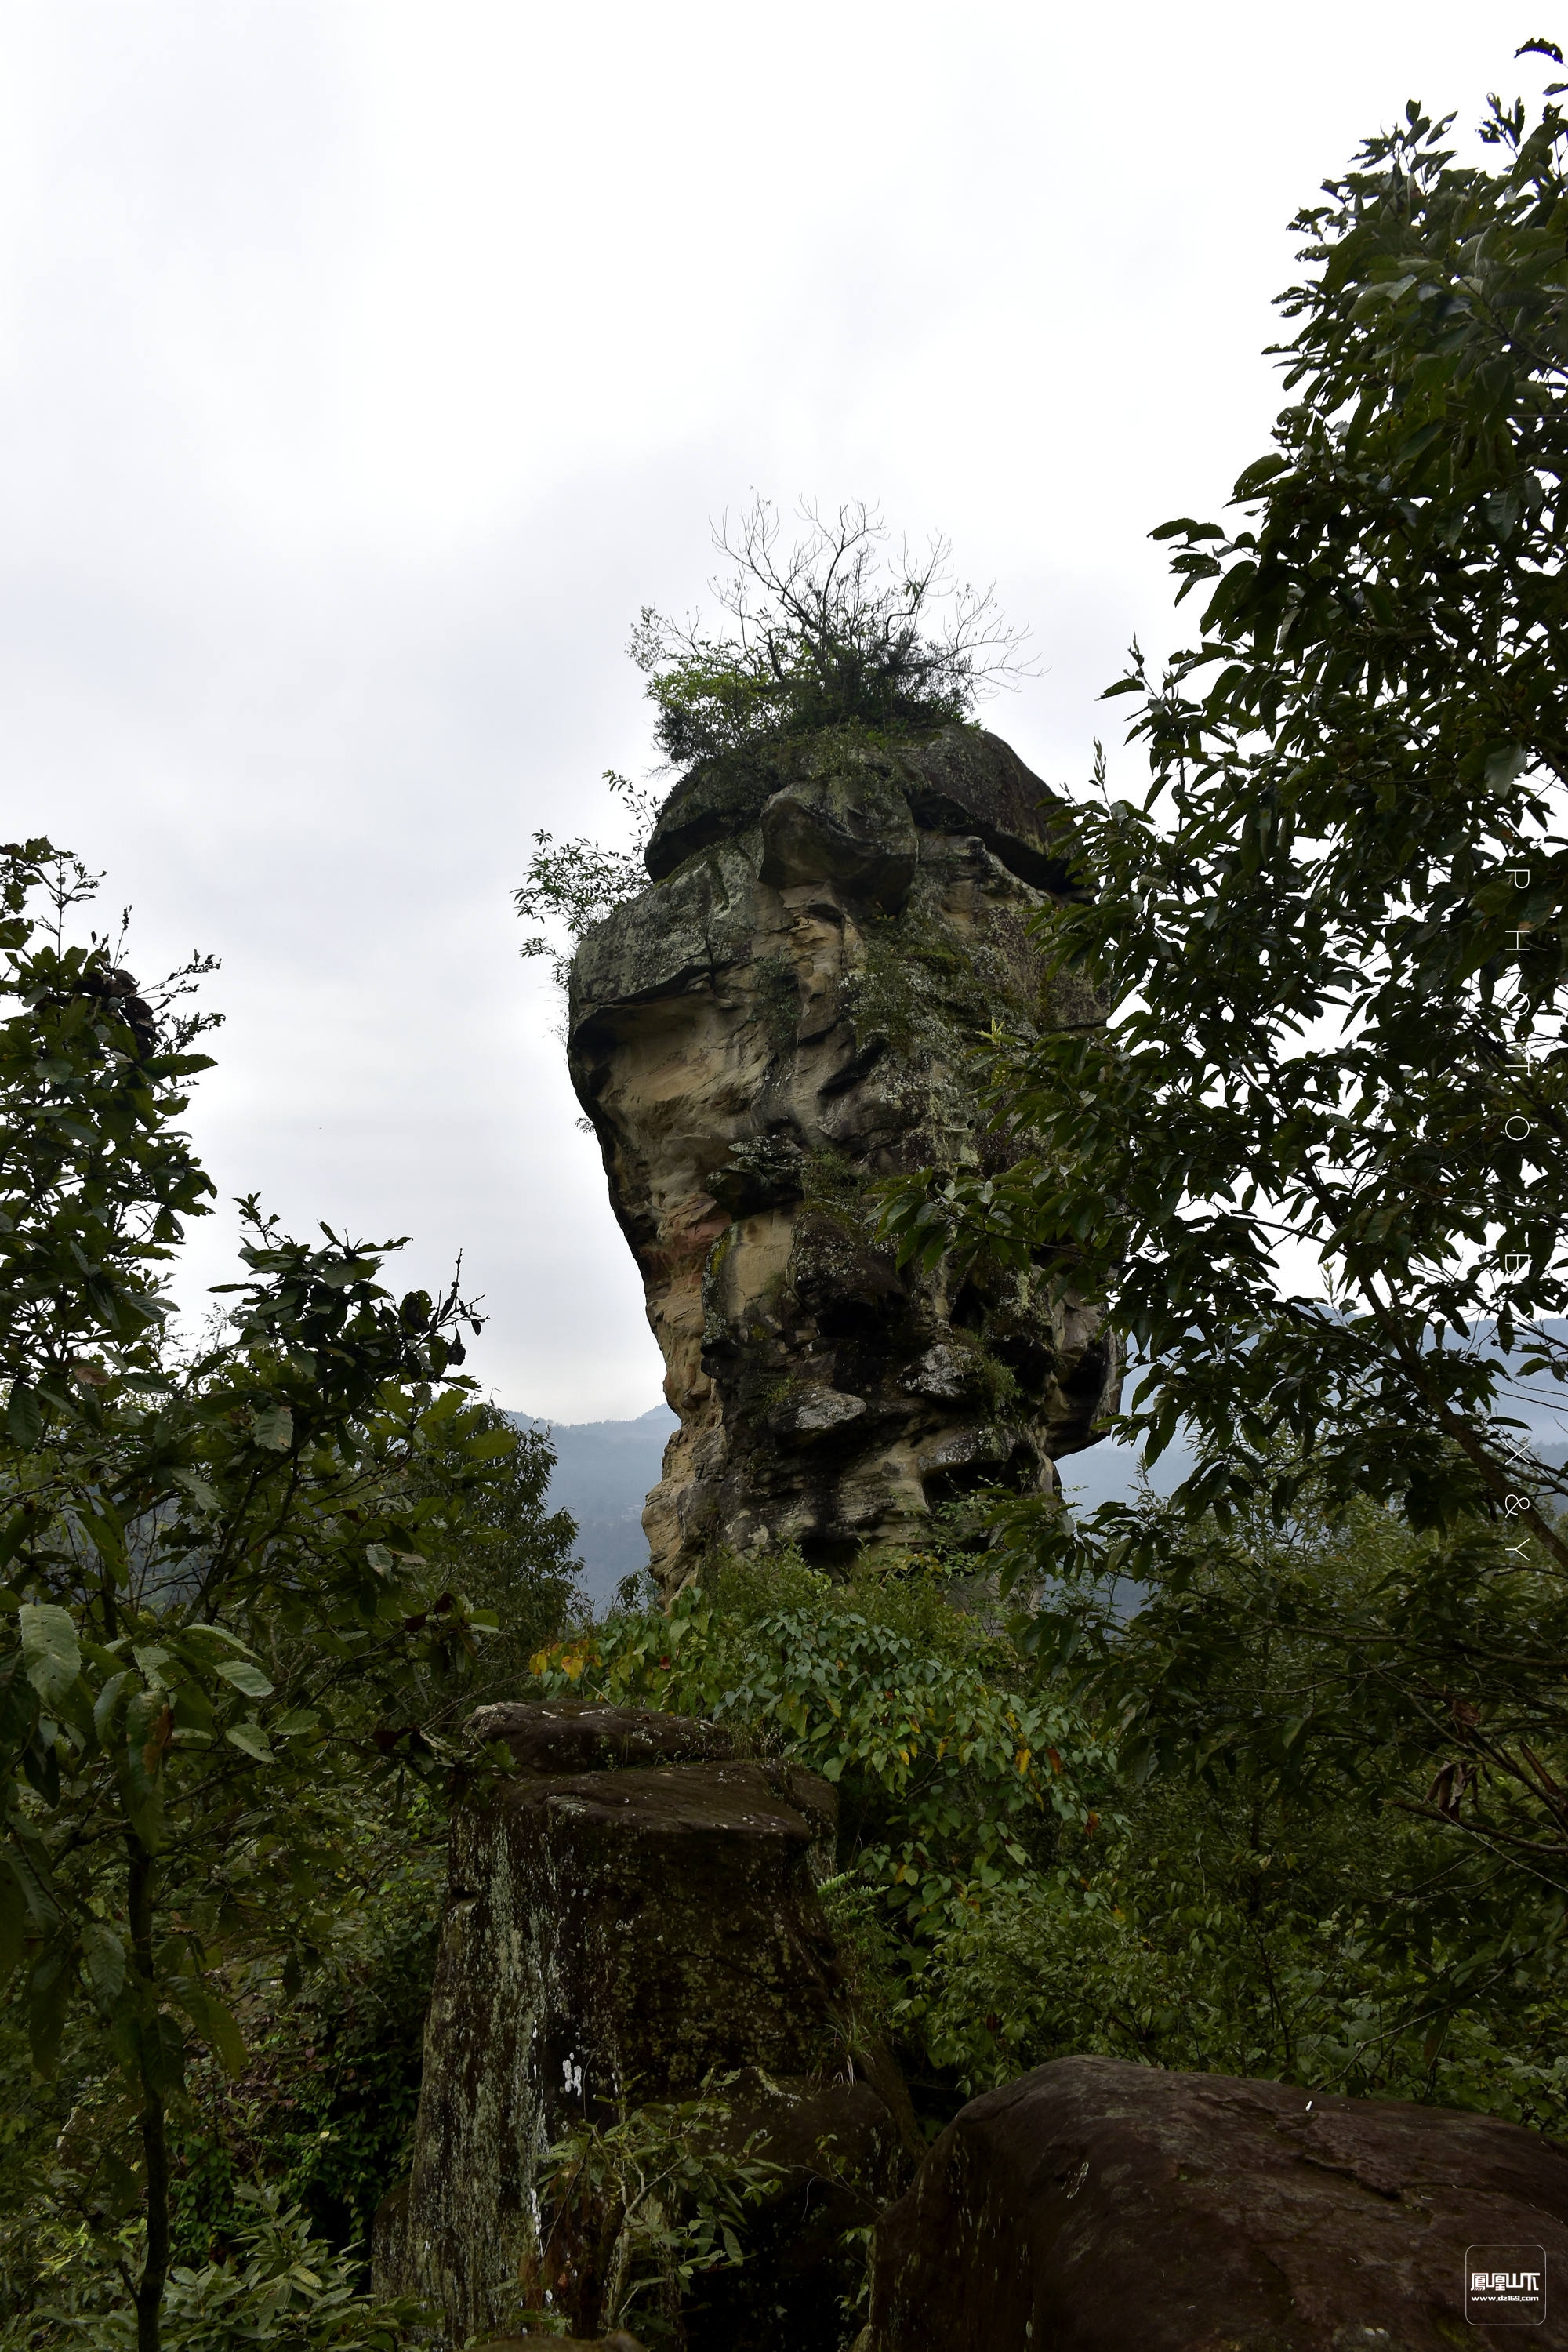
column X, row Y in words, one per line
column 603, row 1471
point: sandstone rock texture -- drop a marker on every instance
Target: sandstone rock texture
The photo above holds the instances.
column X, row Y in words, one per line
column 781, row 1017
column 1094, row 2206
column 630, row 1911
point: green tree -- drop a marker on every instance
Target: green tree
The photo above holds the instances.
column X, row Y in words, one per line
column 1259, row 1907
column 572, row 885
column 825, row 633
column 512, row 1555
column 1331, row 938
column 956, row 1775
column 1004, row 1894
column 219, row 1603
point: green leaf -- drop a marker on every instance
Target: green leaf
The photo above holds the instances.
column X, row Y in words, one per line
column 192, row 1709
column 201, row 1490
column 1255, row 477
column 50, row 1651
column 38, row 1900
column 119, row 2185
column 13, row 1925
column 273, row 1426
column 244, row 1678
column 213, row 2022
column 19, row 1706
column 103, row 1950
column 24, row 1420
column 160, row 2045
column 110, row 1698
column 19, row 1527
column 49, row 1990
column 191, row 1635
column 251, row 1740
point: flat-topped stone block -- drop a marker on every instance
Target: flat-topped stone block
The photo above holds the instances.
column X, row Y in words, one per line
column 613, row 1937
column 555, row 1736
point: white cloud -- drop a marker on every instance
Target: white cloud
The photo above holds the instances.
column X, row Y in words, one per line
column 365, row 367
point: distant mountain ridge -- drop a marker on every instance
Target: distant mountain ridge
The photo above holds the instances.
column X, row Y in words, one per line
column 603, row 1472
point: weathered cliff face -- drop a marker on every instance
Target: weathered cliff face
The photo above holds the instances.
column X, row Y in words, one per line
column 783, row 1017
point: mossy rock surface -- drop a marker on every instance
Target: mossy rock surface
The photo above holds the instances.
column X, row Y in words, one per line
column 615, row 1937
column 790, row 1013
column 955, row 780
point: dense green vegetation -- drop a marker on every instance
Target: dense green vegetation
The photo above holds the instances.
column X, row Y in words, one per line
column 1266, row 1777
column 1331, row 940
column 826, row 632
column 242, row 1615
column 1263, row 1905
column 1005, row 1892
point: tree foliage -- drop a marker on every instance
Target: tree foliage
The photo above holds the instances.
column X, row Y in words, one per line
column 1333, row 939
column 1277, row 1900
column 226, row 1601
column 279, row 2286
column 642, row 2211
column 573, row 884
column 954, row 1775
column 826, row 632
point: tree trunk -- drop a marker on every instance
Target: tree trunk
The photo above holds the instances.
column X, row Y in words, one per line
column 154, row 2126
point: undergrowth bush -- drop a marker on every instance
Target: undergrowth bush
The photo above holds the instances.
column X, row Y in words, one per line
column 69, row 2285
column 1006, row 1894
column 957, row 1772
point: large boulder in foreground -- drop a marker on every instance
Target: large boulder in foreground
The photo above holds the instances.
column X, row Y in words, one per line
column 1094, row 2206
column 617, row 1933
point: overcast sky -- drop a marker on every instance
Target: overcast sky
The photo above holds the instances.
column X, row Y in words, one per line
column 363, row 368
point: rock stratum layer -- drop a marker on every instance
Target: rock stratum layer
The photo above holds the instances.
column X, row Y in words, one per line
column 784, row 1016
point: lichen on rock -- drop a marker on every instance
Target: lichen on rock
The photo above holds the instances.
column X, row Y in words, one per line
column 786, row 1014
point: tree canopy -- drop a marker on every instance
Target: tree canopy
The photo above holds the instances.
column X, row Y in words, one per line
column 829, row 631
column 228, row 1599
column 1331, row 940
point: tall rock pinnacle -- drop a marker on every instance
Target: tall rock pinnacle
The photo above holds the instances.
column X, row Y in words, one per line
column 784, row 1016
